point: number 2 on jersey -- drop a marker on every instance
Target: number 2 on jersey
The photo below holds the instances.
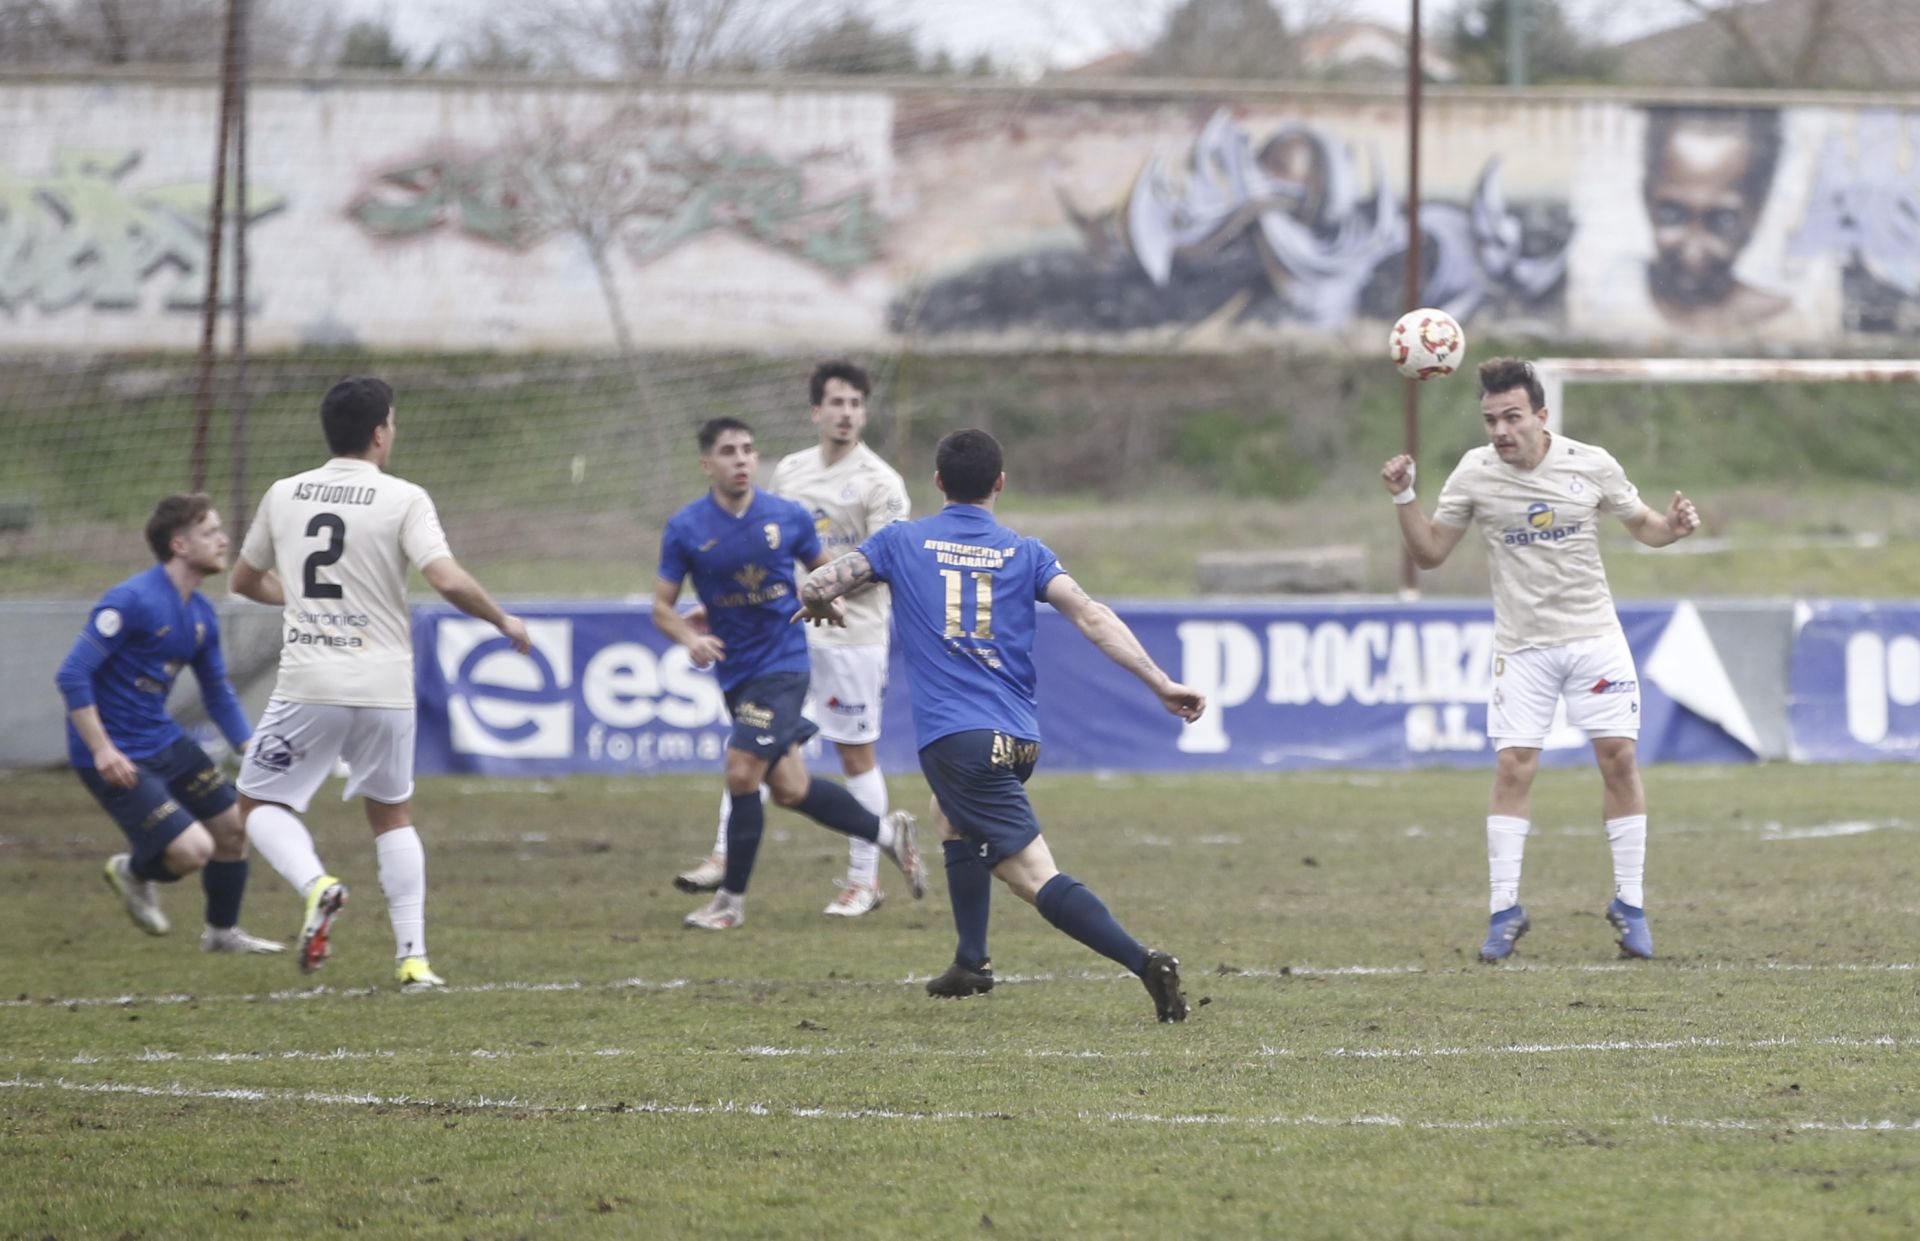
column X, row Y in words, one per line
column 982, row 626
column 335, row 529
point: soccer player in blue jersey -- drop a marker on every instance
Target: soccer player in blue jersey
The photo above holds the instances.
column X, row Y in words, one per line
column 739, row 544
column 175, row 807
column 965, row 596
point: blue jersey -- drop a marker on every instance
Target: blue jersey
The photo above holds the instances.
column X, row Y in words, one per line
column 136, row 640
column 742, row 570
column 965, row 593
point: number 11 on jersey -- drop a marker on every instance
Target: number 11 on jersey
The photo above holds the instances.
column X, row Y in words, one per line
column 982, row 626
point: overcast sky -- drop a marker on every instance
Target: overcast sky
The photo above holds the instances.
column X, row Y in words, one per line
column 1037, row 34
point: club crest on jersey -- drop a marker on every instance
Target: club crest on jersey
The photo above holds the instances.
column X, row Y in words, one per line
column 107, row 621
column 772, row 531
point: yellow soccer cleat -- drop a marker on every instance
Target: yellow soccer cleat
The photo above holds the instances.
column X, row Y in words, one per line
column 414, row 974
column 324, row 899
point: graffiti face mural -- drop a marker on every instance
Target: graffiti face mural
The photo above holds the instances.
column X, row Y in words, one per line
column 1708, row 173
column 86, row 234
column 1288, row 226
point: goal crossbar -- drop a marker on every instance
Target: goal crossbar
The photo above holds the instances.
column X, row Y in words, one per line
column 1556, row 373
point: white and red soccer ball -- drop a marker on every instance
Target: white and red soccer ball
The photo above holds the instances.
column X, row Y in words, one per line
column 1426, row 344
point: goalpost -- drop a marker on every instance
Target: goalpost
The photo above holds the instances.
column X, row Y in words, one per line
column 1557, row 373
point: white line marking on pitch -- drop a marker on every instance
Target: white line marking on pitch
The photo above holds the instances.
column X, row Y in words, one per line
column 768, row 1051
column 734, row 1108
column 129, row 999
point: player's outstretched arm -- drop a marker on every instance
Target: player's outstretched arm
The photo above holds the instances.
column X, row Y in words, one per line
column 261, row 586
column 825, row 585
column 688, row 630
column 1657, row 529
column 1431, row 542
column 1102, row 626
column 459, row 587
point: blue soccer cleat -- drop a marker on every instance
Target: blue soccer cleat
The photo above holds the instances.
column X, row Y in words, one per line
column 1503, row 929
column 1631, row 925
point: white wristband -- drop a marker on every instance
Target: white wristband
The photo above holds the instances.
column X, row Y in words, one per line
column 1404, row 497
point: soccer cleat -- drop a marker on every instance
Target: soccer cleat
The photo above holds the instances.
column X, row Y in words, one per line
column 724, row 912
column 324, row 900
column 961, row 981
column 414, row 974
column 1630, row 924
column 856, row 898
column 137, row 894
column 1162, row 979
column 704, row 877
column 905, row 851
column 233, row 939
column 1503, row 929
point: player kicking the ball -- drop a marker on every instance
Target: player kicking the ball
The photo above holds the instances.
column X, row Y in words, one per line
column 1536, row 497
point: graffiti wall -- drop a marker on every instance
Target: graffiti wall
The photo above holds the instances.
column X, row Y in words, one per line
column 452, row 216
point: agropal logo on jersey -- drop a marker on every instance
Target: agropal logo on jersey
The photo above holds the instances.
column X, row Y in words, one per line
column 1540, row 527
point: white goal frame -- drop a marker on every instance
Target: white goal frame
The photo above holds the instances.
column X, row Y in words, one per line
column 1557, row 373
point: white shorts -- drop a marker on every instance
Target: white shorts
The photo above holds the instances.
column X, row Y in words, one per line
column 296, row 744
column 843, row 697
column 1595, row 675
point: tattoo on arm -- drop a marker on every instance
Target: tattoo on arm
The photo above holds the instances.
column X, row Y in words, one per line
column 830, row 581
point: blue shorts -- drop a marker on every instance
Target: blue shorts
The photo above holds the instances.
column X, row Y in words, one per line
column 177, row 788
column 980, row 778
column 768, row 715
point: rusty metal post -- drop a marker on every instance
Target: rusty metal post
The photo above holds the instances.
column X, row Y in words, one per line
column 1410, row 412
column 216, row 219
column 237, row 514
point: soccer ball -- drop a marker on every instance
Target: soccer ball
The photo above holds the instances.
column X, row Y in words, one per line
column 1426, row 344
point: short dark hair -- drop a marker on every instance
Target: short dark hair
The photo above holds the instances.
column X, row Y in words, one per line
column 171, row 516
column 968, row 462
column 716, row 427
column 1762, row 126
column 841, row 369
column 351, row 410
column 1506, row 374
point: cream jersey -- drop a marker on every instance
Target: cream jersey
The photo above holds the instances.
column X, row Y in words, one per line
column 849, row 500
column 1543, row 549
column 341, row 538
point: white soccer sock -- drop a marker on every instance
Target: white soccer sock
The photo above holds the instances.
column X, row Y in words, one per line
column 869, row 788
column 280, row 837
column 1628, row 836
column 403, row 877
column 726, row 810
column 1506, row 842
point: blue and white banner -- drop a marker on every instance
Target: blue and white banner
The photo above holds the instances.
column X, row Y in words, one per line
column 1289, row 687
column 1853, row 684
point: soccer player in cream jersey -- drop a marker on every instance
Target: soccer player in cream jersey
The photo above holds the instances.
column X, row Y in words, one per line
column 332, row 547
column 851, row 493
column 1536, row 497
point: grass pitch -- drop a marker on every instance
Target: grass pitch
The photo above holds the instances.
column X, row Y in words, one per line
column 1349, row 1070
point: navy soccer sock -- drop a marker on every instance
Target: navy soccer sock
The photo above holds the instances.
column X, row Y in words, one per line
column 225, row 883
column 830, row 805
column 153, row 868
column 744, row 825
column 970, row 891
column 1072, row 906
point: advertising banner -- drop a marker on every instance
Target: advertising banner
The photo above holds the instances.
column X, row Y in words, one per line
column 1290, row 687
column 1853, row 691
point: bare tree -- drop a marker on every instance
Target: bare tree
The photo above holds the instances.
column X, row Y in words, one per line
column 78, row 34
column 666, row 37
column 1800, row 44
